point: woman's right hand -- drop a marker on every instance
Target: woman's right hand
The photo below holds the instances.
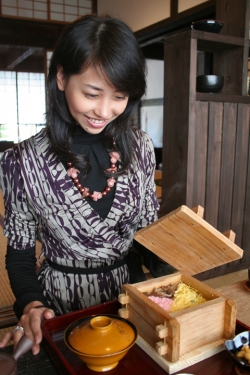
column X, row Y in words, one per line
column 30, row 325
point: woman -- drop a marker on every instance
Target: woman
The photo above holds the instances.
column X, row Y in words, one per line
column 85, row 182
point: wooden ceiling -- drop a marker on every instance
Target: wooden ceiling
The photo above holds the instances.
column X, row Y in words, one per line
column 24, row 42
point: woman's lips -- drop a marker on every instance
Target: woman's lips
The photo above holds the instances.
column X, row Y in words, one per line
column 96, row 123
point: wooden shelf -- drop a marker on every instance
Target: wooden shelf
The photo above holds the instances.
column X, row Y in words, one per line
column 216, row 42
column 229, row 56
column 210, row 41
column 207, row 97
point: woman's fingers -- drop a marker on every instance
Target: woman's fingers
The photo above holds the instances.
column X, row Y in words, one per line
column 49, row 314
column 36, row 317
column 35, row 326
column 17, row 334
column 8, row 337
column 30, row 325
column 35, row 349
column 46, row 314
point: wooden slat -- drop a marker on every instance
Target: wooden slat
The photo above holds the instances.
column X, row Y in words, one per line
column 230, row 234
column 199, row 210
column 246, row 229
column 174, row 169
column 227, row 98
column 197, row 157
column 217, row 40
column 235, row 18
column 158, row 176
column 227, row 166
column 230, row 13
column 230, row 318
column 240, row 175
column 185, row 360
column 213, row 163
column 146, row 319
column 226, row 63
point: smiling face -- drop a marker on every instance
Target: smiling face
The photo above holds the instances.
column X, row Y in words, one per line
column 92, row 101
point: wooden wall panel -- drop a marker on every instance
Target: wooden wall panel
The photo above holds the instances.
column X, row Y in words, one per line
column 175, row 137
column 240, row 171
column 235, row 16
column 197, row 157
column 227, row 166
column 213, row 163
column 206, row 156
column 234, row 204
column 228, row 10
column 218, row 172
column 246, row 221
column 226, row 63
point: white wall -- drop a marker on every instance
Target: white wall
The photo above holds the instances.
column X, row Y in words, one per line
column 136, row 13
column 142, row 13
column 152, row 116
column 187, row 4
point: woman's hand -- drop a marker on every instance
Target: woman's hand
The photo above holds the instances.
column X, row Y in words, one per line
column 30, row 325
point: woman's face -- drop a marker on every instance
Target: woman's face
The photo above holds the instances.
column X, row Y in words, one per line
column 92, row 102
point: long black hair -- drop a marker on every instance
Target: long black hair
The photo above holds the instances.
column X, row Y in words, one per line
column 109, row 45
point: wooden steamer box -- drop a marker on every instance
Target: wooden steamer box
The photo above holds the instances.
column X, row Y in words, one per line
column 191, row 245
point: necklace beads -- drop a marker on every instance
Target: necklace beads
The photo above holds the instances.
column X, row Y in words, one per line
column 96, row 195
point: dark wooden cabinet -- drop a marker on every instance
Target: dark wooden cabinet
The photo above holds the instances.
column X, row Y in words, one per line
column 206, row 154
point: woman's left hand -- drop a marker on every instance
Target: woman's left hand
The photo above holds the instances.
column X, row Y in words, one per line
column 30, row 325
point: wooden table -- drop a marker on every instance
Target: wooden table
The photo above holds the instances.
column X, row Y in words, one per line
column 136, row 362
column 238, row 293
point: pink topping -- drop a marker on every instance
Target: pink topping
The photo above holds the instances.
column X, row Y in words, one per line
column 163, row 302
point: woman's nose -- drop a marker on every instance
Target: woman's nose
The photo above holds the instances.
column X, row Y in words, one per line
column 103, row 109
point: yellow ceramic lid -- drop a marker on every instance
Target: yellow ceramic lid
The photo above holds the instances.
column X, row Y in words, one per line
column 102, row 335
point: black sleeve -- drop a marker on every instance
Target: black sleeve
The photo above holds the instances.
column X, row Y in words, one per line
column 156, row 266
column 21, row 268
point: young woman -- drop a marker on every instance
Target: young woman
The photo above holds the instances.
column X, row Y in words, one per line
column 85, row 182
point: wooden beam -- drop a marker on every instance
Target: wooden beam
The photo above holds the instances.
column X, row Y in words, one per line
column 21, row 58
column 29, row 33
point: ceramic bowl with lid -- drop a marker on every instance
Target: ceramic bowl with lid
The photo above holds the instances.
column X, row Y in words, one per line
column 236, row 346
column 100, row 341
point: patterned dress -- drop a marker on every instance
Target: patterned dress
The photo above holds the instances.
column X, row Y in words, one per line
column 39, row 193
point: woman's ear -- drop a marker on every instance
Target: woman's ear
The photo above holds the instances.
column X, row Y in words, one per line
column 60, row 79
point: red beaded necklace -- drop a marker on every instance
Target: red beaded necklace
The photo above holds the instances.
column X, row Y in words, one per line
column 73, row 172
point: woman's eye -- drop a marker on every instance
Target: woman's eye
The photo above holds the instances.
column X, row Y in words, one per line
column 91, row 96
column 121, row 97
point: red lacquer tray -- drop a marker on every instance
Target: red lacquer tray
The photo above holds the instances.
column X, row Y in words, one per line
column 136, row 361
